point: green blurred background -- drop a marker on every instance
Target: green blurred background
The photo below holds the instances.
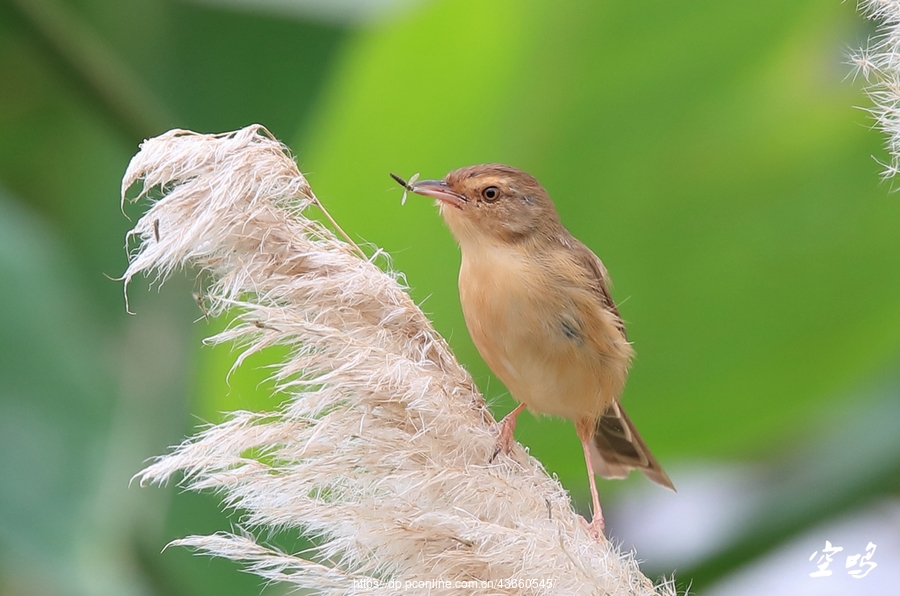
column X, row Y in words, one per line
column 709, row 152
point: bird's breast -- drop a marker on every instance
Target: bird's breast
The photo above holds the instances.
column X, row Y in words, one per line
column 537, row 333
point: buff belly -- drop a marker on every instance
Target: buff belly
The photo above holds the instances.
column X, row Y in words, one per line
column 520, row 331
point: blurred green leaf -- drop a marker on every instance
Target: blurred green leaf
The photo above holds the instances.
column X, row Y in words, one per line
column 55, row 397
column 329, row 11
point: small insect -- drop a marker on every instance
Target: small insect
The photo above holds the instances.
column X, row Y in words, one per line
column 156, row 229
column 201, row 304
column 407, row 186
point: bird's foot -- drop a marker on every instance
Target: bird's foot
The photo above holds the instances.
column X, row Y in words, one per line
column 505, row 436
column 585, row 429
column 596, row 527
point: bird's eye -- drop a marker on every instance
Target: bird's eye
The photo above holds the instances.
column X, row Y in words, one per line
column 491, row 194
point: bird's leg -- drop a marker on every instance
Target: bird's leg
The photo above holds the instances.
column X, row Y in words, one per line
column 506, row 437
column 585, row 429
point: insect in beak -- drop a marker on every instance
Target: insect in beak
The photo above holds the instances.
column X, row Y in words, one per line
column 407, row 186
column 437, row 189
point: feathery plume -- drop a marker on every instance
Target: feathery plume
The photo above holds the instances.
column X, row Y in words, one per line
column 380, row 453
column 879, row 64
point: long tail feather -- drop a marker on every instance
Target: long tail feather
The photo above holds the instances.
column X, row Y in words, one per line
column 617, row 449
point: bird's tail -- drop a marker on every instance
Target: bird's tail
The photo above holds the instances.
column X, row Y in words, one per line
column 617, row 448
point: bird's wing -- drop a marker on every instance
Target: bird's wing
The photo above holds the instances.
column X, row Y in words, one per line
column 600, row 279
column 617, row 448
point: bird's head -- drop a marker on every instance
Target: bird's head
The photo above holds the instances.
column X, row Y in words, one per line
column 491, row 203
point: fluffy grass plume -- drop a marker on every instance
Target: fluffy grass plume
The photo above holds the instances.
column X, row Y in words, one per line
column 380, row 451
column 879, row 64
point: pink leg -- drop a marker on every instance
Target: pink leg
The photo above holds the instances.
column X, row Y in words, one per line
column 585, row 433
column 506, row 437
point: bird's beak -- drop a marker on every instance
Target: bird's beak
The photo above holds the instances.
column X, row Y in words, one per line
column 440, row 191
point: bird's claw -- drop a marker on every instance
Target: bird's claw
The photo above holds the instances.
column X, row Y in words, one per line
column 596, row 527
column 505, row 437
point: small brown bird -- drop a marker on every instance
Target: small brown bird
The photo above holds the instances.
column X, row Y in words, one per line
column 537, row 305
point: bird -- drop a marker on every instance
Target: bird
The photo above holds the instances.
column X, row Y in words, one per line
column 538, row 308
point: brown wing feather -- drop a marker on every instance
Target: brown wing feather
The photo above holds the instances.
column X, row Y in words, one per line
column 601, row 279
column 617, row 449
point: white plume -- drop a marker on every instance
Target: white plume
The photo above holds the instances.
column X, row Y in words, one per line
column 879, row 64
column 381, row 450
